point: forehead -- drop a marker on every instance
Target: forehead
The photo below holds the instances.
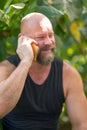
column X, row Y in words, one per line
column 45, row 23
column 36, row 25
column 44, row 26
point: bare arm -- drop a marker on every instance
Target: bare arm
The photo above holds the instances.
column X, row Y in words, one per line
column 12, row 78
column 11, row 86
column 76, row 101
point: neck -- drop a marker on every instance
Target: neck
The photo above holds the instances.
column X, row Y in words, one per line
column 38, row 68
column 39, row 73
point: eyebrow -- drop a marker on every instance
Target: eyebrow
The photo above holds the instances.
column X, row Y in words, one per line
column 43, row 34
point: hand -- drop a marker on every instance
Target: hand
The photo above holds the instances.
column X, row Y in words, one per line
column 24, row 49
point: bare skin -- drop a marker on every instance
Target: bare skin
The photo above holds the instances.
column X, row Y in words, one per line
column 10, row 91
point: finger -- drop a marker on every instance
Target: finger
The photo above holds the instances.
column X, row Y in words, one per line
column 21, row 40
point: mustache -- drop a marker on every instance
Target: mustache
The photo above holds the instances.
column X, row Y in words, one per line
column 47, row 47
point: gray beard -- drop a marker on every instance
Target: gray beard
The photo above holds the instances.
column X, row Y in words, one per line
column 45, row 60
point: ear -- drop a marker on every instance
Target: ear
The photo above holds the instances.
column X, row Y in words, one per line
column 19, row 34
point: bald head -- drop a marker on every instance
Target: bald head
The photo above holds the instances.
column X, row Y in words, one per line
column 33, row 18
column 34, row 21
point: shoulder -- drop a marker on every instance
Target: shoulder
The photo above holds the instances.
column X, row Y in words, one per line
column 6, row 68
column 72, row 81
column 75, row 97
column 69, row 70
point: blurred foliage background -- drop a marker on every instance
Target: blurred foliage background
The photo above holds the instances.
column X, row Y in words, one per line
column 69, row 19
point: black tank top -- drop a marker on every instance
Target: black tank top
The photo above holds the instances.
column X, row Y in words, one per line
column 39, row 106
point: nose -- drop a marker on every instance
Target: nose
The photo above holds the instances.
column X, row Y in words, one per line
column 47, row 41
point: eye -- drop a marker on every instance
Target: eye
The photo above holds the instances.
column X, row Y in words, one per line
column 40, row 38
column 50, row 35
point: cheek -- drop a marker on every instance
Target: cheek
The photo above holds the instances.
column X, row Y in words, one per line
column 53, row 41
column 40, row 44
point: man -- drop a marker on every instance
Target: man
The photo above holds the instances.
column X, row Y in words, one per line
column 32, row 92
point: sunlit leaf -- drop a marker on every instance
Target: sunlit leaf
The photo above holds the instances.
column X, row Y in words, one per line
column 18, row 6
column 7, row 3
column 74, row 29
column 3, row 17
column 70, row 51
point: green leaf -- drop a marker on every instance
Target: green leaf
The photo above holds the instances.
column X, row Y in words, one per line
column 85, row 3
column 49, row 11
column 70, row 8
column 3, row 17
column 18, row 5
column 7, row 4
column 3, row 2
column 58, row 4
